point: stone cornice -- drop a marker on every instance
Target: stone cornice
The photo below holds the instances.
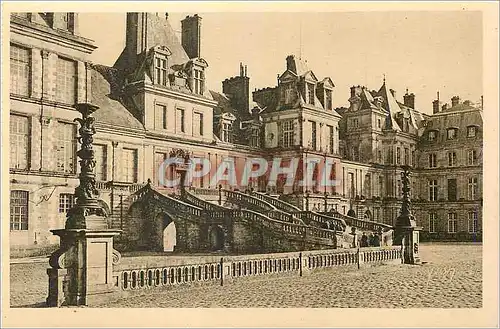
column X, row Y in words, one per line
column 36, row 31
column 166, row 92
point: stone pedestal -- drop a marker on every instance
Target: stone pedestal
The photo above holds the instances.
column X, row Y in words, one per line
column 407, row 234
column 82, row 268
column 411, row 240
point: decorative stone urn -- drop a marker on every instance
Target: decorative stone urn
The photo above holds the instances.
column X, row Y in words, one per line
column 81, row 269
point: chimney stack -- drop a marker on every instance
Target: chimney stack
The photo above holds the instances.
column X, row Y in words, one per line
column 191, row 35
column 455, row 100
column 435, row 106
column 444, row 107
column 409, row 100
column 238, row 88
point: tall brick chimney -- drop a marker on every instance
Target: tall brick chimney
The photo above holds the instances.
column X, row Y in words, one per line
column 409, row 100
column 238, row 89
column 455, row 100
column 435, row 106
column 191, row 35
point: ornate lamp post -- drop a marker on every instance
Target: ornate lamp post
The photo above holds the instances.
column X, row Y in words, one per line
column 406, row 230
column 81, row 269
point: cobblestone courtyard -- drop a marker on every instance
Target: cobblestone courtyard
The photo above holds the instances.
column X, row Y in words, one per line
column 451, row 278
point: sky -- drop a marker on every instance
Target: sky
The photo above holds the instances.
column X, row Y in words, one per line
column 424, row 52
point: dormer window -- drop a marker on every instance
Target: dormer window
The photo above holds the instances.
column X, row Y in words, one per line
column 310, row 93
column 328, row 99
column 160, row 70
column 471, row 131
column 255, row 138
column 432, row 135
column 227, row 129
column 288, row 93
column 198, row 82
column 68, row 21
column 451, row 133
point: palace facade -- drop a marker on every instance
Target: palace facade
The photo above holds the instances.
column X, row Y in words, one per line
column 154, row 102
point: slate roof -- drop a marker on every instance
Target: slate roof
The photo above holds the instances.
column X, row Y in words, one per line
column 223, row 103
column 111, row 111
column 163, row 35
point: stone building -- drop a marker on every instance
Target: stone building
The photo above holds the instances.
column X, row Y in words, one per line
column 154, row 104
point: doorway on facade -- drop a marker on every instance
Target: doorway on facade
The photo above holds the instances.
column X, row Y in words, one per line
column 351, row 213
column 216, row 236
column 169, row 233
column 368, row 215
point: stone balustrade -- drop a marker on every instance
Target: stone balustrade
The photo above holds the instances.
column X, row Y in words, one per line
column 230, row 268
column 279, row 204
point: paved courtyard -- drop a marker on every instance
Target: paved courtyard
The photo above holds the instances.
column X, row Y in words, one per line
column 451, row 278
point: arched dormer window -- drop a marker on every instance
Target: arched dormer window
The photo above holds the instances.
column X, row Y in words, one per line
column 197, row 76
column 160, row 65
column 226, row 127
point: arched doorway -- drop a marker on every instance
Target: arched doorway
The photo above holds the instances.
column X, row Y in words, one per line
column 216, row 236
column 169, row 236
column 367, row 215
column 351, row 213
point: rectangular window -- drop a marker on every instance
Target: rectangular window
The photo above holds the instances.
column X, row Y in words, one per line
column 472, row 158
column 313, row 135
column 66, row 201
column 432, row 160
column 18, row 210
column 379, row 123
column 472, row 188
column 452, row 159
column 159, row 159
column 288, row 134
column 181, row 121
column 19, row 142
column 452, row 133
column 413, row 159
column 255, row 140
column 452, row 222
column 407, row 157
column 66, row 81
column 288, row 94
column 432, row 222
column 67, row 21
column 227, row 132
column 452, row 190
column 432, row 135
column 331, row 139
column 310, row 93
column 65, row 148
column 328, row 99
column 129, row 165
column 161, row 70
column 100, row 157
column 198, row 123
column 472, row 222
column 398, row 155
column 433, row 190
column 471, row 131
column 161, row 116
column 20, row 70
column 198, row 82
